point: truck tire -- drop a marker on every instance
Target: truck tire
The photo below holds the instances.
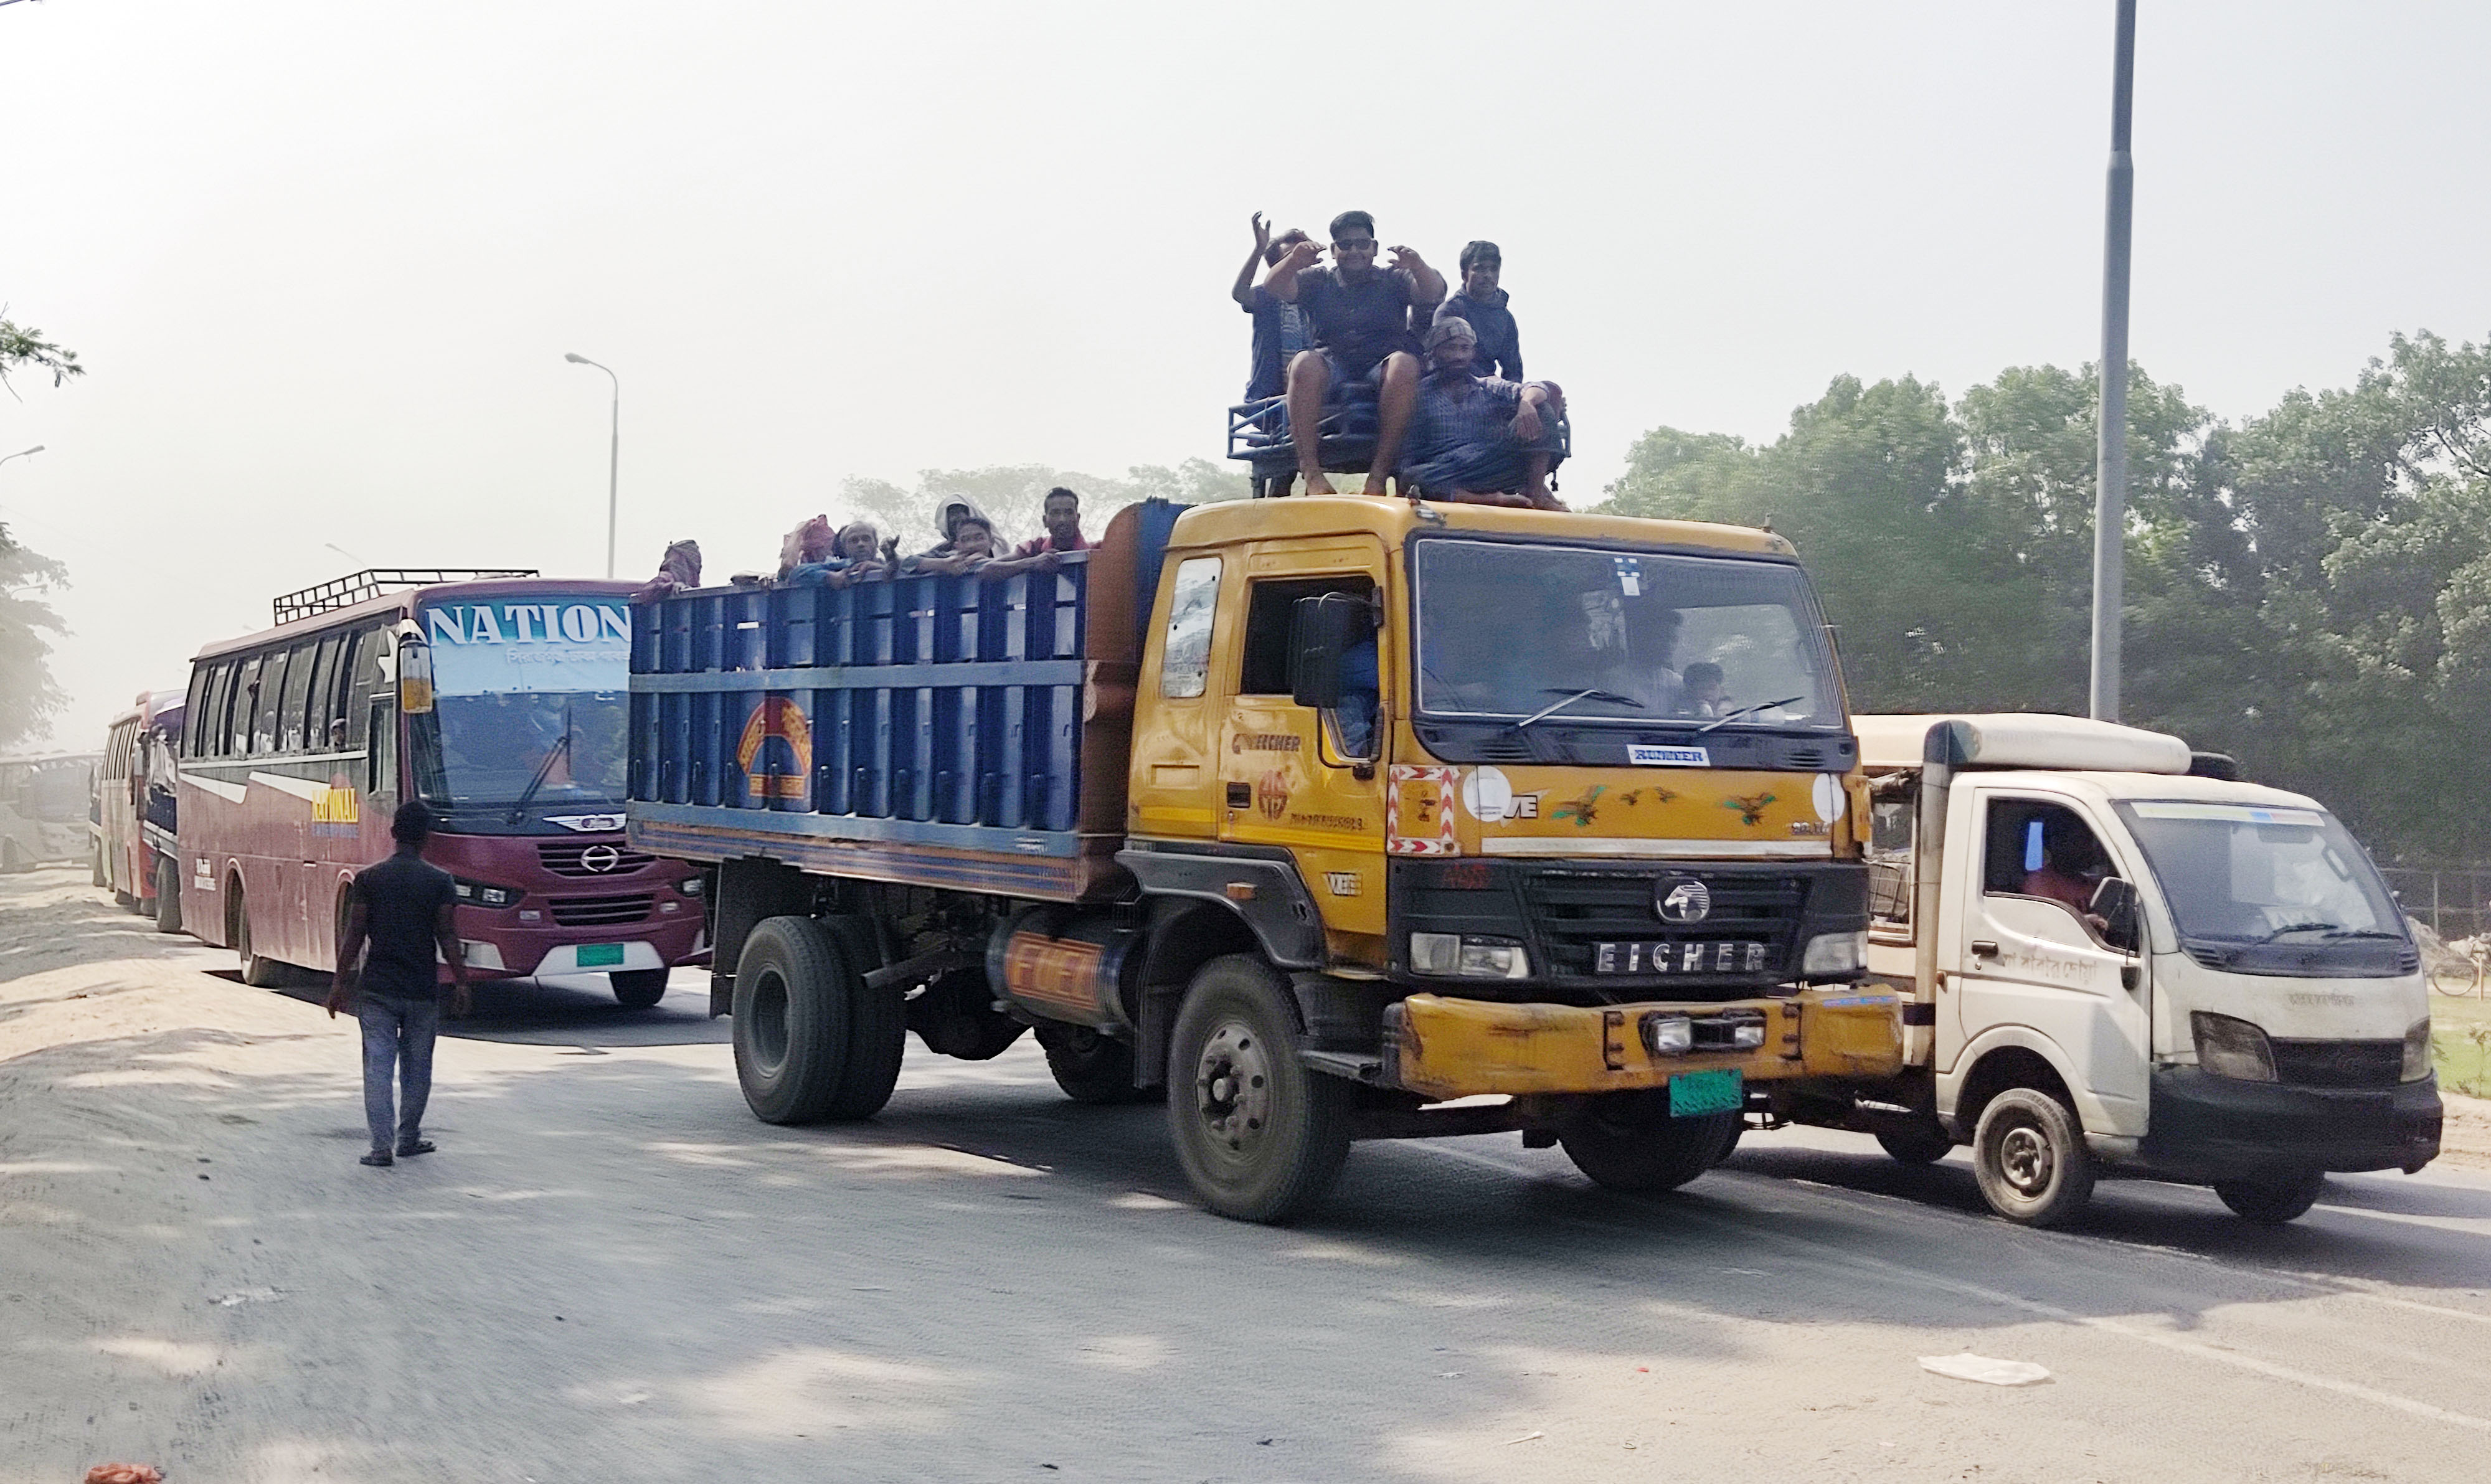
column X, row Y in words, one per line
column 877, row 1026
column 1917, row 1145
column 2029, row 1154
column 791, row 1022
column 168, row 895
column 258, row 970
column 1090, row 1067
column 1261, row 1137
column 2272, row 1203
column 1629, row 1142
column 638, row 989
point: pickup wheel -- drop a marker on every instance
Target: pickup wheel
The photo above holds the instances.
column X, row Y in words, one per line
column 877, row 1026
column 791, row 1021
column 2274, row 1201
column 1629, row 1142
column 2030, row 1157
column 1925, row 1145
column 638, row 989
column 168, row 895
column 1090, row 1067
column 1261, row 1137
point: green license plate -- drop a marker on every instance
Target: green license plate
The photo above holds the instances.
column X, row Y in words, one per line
column 606, row 955
column 1693, row 1094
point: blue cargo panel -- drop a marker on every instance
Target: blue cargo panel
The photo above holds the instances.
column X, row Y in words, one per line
column 925, row 729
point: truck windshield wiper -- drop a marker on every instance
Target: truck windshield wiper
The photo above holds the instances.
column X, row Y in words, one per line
column 2303, row 927
column 2364, row 932
column 1743, row 711
column 545, row 770
column 1593, row 692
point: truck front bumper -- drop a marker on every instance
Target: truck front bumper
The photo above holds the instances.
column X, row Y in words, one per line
column 2205, row 1127
column 1444, row 1048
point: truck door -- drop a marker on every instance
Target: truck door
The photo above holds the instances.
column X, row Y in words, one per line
column 2028, row 956
column 1299, row 779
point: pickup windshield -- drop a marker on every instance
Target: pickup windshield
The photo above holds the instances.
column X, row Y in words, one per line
column 2273, row 884
column 1510, row 631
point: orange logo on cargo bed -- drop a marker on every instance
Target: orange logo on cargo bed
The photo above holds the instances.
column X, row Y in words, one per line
column 786, row 772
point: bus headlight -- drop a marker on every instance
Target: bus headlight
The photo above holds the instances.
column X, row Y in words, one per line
column 477, row 893
column 2230, row 1047
column 1458, row 955
column 2417, row 1050
column 1834, row 953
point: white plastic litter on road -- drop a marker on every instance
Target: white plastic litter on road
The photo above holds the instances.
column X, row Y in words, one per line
column 1986, row 1370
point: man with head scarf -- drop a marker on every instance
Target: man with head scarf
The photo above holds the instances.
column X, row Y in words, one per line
column 1476, row 438
column 949, row 513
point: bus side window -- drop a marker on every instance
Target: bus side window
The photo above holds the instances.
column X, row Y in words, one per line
column 316, row 696
column 358, row 676
column 380, row 760
column 290, row 730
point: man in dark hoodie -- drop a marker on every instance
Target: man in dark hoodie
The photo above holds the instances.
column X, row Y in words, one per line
column 1483, row 304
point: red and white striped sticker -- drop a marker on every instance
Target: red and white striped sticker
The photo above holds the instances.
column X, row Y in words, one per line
column 1419, row 810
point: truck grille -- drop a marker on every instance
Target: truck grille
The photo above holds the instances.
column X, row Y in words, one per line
column 2339, row 1063
column 1578, row 910
column 600, row 911
column 583, row 858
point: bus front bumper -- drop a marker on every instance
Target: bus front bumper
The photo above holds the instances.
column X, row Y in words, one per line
column 1446, row 1048
column 623, row 948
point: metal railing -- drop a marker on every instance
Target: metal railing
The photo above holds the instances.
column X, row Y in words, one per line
column 2452, row 901
column 371, row 582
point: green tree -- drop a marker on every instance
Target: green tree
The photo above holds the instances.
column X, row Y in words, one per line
column 23, row 348
column 28, row 696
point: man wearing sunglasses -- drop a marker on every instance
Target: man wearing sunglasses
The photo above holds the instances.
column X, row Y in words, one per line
column 1361, row 315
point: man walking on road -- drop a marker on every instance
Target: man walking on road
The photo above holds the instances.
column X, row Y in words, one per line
column 402, row 908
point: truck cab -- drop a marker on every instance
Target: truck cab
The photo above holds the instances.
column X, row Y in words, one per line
column 2120, row 958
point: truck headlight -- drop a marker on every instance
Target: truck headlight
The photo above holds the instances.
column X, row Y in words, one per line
column 2231, row 1047
column 1834, row 953
column 2417, row 1050
column 477, row 893
column 1458, row 955
column 1668, row 1036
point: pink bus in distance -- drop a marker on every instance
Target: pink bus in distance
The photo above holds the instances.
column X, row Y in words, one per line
column 136, row 854
column 498, row 698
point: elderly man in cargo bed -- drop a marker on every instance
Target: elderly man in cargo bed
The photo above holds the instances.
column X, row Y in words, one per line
column 1476, row 438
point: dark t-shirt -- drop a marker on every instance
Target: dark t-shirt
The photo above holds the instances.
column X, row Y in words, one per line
column 1361, row 322
column 1280, row 332
column 400, row 898
column 1500, row 340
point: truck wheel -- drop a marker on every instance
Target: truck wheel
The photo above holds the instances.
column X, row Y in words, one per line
column 1261, row 1137
column 168, row 895
column 2272, row 1203
column 638, row 989
column 1090, row 1067
column 791, row 1022
column 258, row 970
column 1629, row 1142
column 877, row 1026
column 1916, row 1146
column 2031, row 1158
column 124, row 901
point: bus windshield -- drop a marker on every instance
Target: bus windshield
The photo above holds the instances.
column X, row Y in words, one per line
column 55, row 793
column 530, row 701
column 1506, row 629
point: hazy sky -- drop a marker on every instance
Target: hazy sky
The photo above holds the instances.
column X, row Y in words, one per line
column 324, row 259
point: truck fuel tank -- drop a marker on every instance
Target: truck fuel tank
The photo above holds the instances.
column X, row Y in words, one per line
column 1059, row 964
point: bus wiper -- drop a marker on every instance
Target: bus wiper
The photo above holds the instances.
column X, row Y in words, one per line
column 1593, row 692
column 545, row 770
column 1746, row 710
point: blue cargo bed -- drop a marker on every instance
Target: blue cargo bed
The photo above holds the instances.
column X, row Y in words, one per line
column 935, row 731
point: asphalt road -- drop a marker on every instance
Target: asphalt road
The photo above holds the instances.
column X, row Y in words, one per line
column 611, row 1271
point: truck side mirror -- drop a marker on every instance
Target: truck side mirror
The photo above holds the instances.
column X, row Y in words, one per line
column 2115, row 903
column 1321, row 630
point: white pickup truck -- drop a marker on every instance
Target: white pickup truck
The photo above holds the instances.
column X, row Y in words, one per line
column 2115, row 957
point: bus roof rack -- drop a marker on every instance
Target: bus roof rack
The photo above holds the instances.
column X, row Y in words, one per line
column 372, row 581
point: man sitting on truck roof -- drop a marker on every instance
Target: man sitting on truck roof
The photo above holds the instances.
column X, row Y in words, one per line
column 1279, row 329
column 1476, row 438
column 1481, row 302
column 1360, row 318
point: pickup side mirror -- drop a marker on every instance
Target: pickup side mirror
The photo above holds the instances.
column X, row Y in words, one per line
column 2115, row 903
column 1321, row 630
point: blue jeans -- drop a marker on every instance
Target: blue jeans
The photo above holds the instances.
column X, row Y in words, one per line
column 397, row 1033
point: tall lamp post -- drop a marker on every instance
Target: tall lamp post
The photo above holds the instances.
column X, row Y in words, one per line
column 2110, row 457
column 22, row 454
column 614, row 453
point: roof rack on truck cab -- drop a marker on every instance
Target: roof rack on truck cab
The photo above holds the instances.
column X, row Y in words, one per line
column 372, row 581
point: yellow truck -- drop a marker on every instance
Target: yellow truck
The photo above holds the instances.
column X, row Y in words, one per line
column 1311, row 816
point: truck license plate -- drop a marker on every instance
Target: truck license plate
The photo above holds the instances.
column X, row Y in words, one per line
column 1693, row 1094
column 599, row 955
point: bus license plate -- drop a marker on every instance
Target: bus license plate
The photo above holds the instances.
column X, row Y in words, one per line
column 601, row 955
column 1693, row 1094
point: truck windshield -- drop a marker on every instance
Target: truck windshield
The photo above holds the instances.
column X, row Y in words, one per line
column 1508, row 630
column 530, row 706
column 2245, row 876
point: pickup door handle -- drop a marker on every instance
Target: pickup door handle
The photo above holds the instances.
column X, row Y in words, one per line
column 1982, row 947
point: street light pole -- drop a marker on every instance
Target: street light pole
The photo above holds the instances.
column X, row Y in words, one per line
column 22, row 454
column 613, row 456
column 2110, row 460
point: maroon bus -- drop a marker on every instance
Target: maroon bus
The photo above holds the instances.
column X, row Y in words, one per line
column 498, row 698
